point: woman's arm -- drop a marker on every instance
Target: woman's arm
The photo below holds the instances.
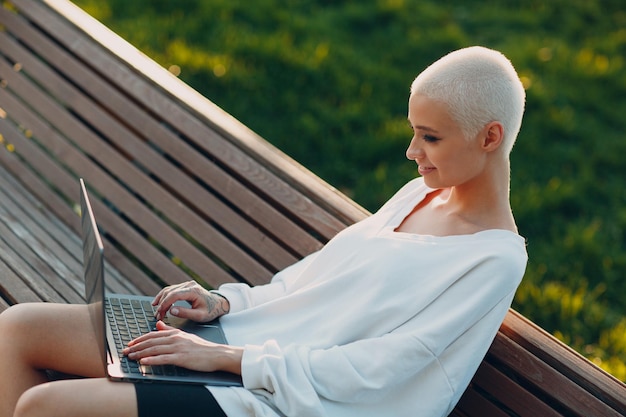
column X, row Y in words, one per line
column 172, row 346
column 439, row 348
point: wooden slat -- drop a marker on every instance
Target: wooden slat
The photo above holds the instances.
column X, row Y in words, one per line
column 474, row 404
column 568, row 362
column 547, row 380
column 509, row 395
column 12, row 286
column 50, row 170
column 62, row 276
column 50, row 241
column 56, row 244
column 30, row 269
column 3, row 304
column 60, row 207
column 54, row 234
column 37, row 272
column 135, row 279
column 38, row 246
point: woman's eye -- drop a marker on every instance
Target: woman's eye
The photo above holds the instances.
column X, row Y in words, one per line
column 430, row 138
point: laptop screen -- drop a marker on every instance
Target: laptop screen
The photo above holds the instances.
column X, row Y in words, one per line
column 93, row 270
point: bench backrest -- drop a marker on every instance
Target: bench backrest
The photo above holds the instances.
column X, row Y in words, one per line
column 182, row 190
column 179, row 187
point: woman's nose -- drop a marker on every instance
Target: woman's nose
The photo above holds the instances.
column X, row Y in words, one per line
column 414, row 151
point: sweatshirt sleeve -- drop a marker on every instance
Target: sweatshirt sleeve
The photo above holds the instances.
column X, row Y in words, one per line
column 241, row 296
column 302, row 381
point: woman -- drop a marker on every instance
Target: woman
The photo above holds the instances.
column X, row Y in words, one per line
column 391, row 318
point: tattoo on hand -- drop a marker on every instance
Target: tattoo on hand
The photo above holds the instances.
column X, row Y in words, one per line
column 217, row 305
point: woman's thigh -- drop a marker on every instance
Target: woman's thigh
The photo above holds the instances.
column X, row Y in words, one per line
column 97, row 397
column 53, row 336
column 93, row 397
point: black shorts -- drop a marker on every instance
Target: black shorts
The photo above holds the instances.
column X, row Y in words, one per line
column 167, row 400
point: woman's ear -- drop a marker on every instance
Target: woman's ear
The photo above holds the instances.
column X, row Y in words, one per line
column 493, row 135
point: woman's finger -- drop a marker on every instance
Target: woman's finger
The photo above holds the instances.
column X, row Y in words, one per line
column 163, row 331
column 182, row 292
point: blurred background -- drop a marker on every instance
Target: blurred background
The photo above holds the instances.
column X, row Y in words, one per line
column 327, row 82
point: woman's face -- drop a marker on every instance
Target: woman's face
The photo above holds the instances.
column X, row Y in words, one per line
column 445, row 158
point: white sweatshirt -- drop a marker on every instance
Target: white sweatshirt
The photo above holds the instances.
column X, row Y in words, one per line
column 376, row 323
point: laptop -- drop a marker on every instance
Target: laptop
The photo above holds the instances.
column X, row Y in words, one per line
column 109, row 314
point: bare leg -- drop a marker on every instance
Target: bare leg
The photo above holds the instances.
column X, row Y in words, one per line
column 35, row 337
column 94, row 397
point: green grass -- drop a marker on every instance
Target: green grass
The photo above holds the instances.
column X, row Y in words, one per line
column 327, row 82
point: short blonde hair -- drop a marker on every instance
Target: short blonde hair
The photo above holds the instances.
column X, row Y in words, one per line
column 479, row 86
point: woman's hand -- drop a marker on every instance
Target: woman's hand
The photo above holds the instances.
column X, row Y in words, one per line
column 171, row 346
column 205, row 305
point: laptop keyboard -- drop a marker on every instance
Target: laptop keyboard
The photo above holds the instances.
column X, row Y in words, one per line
column 129, row 319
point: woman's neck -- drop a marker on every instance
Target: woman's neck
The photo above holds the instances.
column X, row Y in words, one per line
column 484, row 201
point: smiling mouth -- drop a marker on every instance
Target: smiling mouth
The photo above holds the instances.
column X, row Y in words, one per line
column 425, row 170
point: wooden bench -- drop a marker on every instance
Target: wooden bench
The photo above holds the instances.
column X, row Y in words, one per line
column 182, row 190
